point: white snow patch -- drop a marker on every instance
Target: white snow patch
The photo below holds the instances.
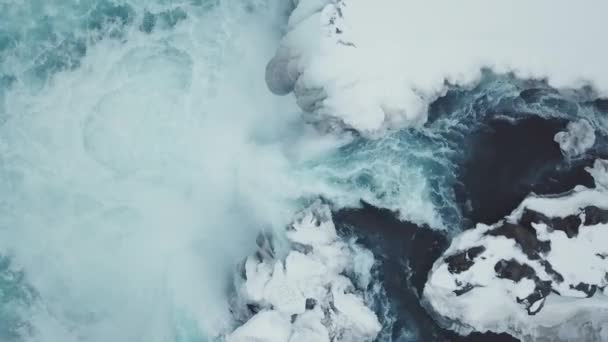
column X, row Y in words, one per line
column 266, row 326
column 378, row 64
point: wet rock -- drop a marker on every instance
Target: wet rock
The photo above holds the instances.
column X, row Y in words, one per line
column 265, row 246
column 513, row 270
column 569, row 224
column 524, row 236
column 595, row 215
column 551, row 271
column 253, row 308
column 464, row 289
column 534, row 301
column 310, row 303
column 587, row 289
column 462, row 261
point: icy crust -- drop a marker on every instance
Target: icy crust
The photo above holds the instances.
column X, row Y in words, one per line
column 577, row 139
column 542, row 272
column 372, row 65
column 315, row 293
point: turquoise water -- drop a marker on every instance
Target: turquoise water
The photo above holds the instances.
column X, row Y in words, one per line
column 127, row 137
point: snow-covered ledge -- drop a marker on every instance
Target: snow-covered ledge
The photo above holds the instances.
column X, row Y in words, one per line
column 541, row 272
column 315, row 293
column 377, row 64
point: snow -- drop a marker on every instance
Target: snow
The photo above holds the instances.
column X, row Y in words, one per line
column 497, row 304
column 266, row 326
column 578, row 138
column 375, row 65
column 314, row 293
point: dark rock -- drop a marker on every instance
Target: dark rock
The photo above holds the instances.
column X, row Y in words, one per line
column 595, row 215
column 304, row 249
column 530, row 216
column 587, row 289
column 265, row 244
column 462, row 261
column 253, row 308
column 551, row 271
column 541, row 291
column 524, row 236
column 464, row 289
column 310, row 303
column 569, row 224
column 513, row 270
column 242, row 270
column 536, row 310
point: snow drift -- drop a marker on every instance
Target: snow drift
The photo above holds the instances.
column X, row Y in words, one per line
column 372, row 65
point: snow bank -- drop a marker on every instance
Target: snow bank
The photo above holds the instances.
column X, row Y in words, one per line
column 378, row 64
column 315, row 293
column 539, row 271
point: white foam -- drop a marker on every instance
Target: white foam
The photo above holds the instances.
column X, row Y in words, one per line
column 599, row 172
column 577, row 139
column 126, row 182
column 378, row 64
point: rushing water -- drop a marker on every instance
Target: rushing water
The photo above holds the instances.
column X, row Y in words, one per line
column 140, row 154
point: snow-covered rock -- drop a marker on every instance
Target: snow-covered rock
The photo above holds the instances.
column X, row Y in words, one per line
column 542, row 269
column 577, row 139
column 372, row 65
column 266, row 326
column 314, row 293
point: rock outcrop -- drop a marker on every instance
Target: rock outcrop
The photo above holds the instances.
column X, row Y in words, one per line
column 531, row 273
